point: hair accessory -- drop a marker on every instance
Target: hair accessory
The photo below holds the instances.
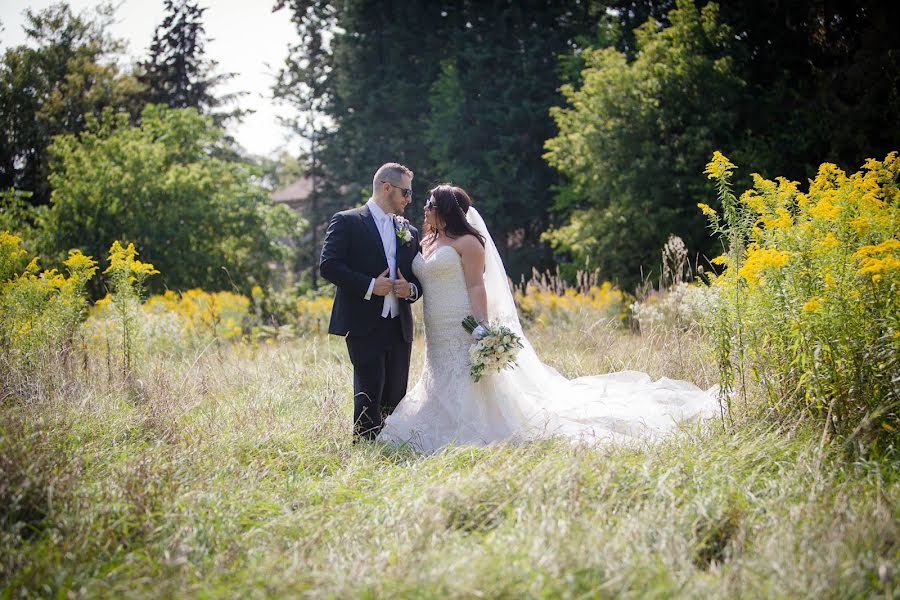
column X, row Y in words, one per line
column 453, row 192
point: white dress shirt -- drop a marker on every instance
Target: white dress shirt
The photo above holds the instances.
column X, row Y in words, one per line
column 385, row 224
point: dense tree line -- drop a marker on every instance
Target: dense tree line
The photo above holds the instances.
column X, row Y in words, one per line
column 458, row 91
column 580, row 127
column 587, row 124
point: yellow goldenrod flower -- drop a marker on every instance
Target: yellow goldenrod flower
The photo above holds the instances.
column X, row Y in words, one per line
column 829, row 177
column 754, row 200
column 878, row 258
column 767, row 186
column 761, row 259
column 814, row 304
column 719, row 166
column 890, row 245
column 707, row 210
column 104, row 301
column 824, row 209
column 783, row 220
column 829, row 242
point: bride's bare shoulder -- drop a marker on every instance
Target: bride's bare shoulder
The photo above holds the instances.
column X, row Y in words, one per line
column 468, row 244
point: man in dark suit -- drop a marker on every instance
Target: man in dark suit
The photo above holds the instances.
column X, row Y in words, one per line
column 368, row 254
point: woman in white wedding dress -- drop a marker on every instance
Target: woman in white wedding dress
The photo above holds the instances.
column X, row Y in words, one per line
column 532, row 400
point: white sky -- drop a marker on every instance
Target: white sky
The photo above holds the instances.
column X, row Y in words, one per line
column 244, row 36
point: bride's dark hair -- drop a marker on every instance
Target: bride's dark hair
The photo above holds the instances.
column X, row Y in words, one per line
column 452, row 203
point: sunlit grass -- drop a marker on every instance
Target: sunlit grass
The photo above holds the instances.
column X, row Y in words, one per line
column 229, row 471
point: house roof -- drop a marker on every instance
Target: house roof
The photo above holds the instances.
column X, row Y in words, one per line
column 294, row 192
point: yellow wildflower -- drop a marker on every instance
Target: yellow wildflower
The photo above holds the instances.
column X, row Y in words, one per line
column 889, row 245
column 80, row 267
column 707, row 210
column 762, row 184
column 782, row 221
column 754, row 200
column 143, row 268
column 719, row 166
column 878, row 258
column 814, row 304
column 760, row 259
column 825, row 209
column 826, row 243
column 10, row 244
column 829, row 177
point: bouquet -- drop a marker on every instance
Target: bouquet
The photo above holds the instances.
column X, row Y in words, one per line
column 494, row 351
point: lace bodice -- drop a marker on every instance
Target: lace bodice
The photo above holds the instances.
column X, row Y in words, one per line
column 446, row 304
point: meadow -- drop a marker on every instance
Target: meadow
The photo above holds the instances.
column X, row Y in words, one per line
column 180, row 446
column 228, row 470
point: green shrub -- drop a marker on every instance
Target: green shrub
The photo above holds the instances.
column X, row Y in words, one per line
column 812, row 290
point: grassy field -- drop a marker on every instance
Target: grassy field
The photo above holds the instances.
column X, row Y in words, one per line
column 227, row 471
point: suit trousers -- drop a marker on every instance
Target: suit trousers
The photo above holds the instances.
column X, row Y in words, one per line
column 380, row 375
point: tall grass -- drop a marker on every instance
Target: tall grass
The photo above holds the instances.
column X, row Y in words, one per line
column 233, row 474
column 154, row 454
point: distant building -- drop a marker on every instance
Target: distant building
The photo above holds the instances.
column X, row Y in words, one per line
column 295, row 195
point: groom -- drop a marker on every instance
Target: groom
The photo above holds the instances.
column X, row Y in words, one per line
column 367, row 254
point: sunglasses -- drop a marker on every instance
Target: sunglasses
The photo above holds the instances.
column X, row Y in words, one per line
column 430, row 204
column 405, row 192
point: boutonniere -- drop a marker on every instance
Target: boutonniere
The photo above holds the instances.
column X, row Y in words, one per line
column 403, row 232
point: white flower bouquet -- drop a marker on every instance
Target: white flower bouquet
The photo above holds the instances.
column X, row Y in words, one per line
column 496, row 348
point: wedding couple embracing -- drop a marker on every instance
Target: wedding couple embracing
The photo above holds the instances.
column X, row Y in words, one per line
column 381, row 265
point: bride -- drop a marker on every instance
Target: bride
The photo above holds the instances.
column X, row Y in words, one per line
column 462, row 274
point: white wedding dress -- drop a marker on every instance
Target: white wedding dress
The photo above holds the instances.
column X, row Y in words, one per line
column 530, row 401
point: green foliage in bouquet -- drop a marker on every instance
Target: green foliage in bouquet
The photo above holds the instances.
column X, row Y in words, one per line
column 494, row 351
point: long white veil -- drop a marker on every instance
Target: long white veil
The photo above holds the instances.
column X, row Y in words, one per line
column 620, row 407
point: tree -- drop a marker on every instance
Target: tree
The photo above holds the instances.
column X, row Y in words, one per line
column 456, row 90
column 634, row 137
column 779, row 86
column 176, row 73
column 51, row 86
column 488, row 112
column 200, row 220
column 359, row 80
column 822, row 81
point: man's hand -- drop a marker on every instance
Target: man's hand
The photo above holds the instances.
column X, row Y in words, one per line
column 402, row 289
column 383, row 284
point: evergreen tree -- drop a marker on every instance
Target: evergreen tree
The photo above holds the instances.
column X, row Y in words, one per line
column 455, row 90
column 489, row 112
column 177, row 72
column 359, row 80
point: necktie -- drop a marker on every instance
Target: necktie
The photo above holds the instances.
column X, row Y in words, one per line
column 390, row 301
